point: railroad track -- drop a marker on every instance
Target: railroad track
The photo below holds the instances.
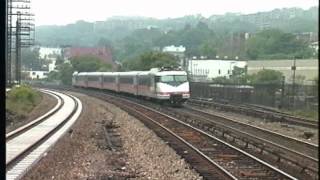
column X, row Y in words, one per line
column 257, row 111
column 211, row 157
column 292, row 155
column 27, row 144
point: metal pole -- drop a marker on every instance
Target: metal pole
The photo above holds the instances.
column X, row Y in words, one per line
column 282, row 92
column 6, row 41
column 293, row 81
column 18, row 48
column 9, row 41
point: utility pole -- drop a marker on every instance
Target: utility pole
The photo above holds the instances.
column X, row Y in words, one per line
column 20, row 34
column 293, row 81
column 282, row 91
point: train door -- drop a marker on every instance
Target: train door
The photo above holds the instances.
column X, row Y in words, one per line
column 86, row 81
column 153, row 88
column 117, row 81
column 135, row 84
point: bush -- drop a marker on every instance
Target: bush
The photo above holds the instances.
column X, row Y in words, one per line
column 22, row 100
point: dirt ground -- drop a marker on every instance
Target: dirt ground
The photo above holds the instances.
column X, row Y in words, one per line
column 128, row 151
column 14, row 121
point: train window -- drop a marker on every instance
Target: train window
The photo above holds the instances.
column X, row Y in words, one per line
column 144, row 81
column 172, row 78
column 93, row 78
column 126, row 80
column 180, row 78
column 108, row 79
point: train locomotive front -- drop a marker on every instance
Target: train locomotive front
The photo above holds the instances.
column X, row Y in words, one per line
column 158, row 84
column 172, row 86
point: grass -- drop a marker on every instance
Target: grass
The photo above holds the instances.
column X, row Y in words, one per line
column 305, row 113
column 310, row 114
column 21, row 100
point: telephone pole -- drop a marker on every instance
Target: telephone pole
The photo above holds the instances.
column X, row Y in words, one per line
column 19, row 34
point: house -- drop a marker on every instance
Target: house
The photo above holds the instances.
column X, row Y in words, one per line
column 37, row 74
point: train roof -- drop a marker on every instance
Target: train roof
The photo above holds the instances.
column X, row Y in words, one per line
column 132, row 73
column 232, row 86
column 94, row 73
column 166, row 73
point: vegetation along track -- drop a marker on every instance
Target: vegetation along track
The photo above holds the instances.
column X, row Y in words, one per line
column 257, row 111
column 26, row 145
column 211, row 157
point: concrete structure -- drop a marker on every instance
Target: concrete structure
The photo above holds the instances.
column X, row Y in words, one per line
column 37, row 74
column 204, row 70
column 177, row 51
column 309, row 68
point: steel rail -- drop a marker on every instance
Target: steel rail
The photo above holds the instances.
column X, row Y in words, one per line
column 128, row 104
column 268, row 114
column 39, row 141
column 38, row 120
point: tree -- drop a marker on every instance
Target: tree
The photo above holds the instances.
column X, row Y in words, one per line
column 150, row 60
column 275, row 44
column 267, row 76
column 89, row 63
column 54, row 75
column 66, row 71
column 30, row 58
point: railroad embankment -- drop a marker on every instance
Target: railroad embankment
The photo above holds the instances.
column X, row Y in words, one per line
column 24, row 104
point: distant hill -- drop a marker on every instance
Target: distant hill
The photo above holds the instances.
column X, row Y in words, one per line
column 293, row 20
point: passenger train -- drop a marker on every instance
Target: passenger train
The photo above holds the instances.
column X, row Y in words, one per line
column 161, row 84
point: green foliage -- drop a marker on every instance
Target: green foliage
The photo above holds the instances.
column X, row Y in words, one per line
column 22, row 100
column 267, row 76
column 150, row 60
column 238, row 77
column 89, row 64
column 221, row 80
column 59, row 60
column 275, row 44
column 80, row 64
column 30, row 58
column 53, row 75
column 216, row 35
column 65, row 73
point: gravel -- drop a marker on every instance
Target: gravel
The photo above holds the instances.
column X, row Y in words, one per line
column 83, row 153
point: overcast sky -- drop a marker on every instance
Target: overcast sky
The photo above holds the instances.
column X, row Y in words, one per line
column 61, row 12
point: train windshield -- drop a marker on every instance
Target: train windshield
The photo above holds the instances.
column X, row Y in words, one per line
column 171, row 78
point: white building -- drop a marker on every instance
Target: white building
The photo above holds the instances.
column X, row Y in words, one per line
column 176, row 51
column 37, row 74
column 315, row 46
column 49, row 53
column 203, row 70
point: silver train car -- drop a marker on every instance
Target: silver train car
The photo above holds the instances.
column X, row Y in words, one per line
column 157, row 84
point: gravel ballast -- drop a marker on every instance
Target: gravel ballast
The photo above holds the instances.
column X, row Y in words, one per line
column 83, row 153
